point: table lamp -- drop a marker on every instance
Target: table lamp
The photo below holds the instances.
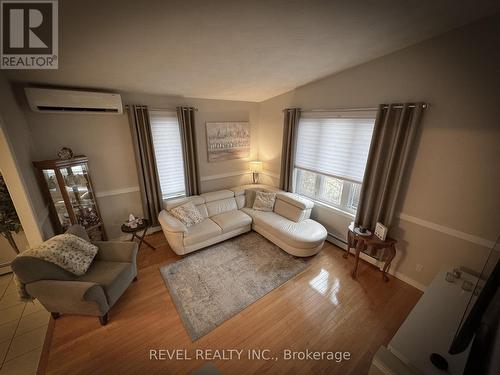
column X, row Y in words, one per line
column 255, row 168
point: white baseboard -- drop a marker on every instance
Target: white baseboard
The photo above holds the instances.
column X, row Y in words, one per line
column 332, row 239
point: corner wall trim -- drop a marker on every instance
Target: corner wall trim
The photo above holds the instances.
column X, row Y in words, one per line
column 126, row 190
column 447, row 230
column 43, row 216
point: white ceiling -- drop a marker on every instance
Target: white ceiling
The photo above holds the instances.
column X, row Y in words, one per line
column 236, row 50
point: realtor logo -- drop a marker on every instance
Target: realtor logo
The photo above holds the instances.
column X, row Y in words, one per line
column 29, row 34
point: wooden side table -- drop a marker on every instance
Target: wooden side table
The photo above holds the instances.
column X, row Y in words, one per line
column 144, row 227
column 361, row 243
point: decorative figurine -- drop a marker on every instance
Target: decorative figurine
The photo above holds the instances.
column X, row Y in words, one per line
column 65, row 153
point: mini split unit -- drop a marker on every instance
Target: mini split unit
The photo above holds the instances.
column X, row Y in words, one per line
column 73, row 101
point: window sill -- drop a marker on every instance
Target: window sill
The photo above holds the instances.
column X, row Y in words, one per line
column 170, row 197
column 333, row 208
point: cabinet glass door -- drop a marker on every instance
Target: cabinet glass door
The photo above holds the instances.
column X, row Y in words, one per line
column 57, row 198
column 81, row 196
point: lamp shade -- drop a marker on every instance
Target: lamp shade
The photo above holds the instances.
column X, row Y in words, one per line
column 256, row 166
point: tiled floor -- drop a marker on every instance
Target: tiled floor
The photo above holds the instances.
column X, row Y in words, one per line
column 22, row 331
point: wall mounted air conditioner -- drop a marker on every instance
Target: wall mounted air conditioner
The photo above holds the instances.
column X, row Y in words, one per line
column 72, row 101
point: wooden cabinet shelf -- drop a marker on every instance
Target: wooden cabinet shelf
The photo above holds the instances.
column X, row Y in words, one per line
column 68, row 190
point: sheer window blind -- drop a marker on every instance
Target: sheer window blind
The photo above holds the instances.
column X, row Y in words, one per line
column 334, row 145
column 168, row 152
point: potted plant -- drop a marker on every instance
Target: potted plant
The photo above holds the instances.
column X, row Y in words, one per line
column 9, row 221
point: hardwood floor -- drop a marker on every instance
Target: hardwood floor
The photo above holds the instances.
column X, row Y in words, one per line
column 321, row 309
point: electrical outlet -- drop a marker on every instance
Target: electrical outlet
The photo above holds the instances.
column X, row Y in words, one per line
column 419, row 267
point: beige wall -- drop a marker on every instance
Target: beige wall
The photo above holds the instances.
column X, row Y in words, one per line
column 16, row 155
column 210, row 110
column 106, row 140
column 455, row 176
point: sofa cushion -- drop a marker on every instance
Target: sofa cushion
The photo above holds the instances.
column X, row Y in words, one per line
column 232, row 220
column 217, row 195
column 240, row 201
column 220, row 206
column 304, row 234
column 114, row 277
column 201, row 232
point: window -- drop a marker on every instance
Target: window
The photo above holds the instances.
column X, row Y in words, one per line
column 332, row 149
column 168, row 152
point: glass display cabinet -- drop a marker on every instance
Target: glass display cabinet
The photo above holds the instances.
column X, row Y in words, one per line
column 68, row 190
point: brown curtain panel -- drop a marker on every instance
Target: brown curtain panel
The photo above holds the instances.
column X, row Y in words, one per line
column 393, row 136
column 290, row 126
column 188, row 140
column 152, row 202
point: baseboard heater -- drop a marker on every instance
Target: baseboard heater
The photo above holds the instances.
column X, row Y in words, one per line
column 339, row 242
column 333, row 239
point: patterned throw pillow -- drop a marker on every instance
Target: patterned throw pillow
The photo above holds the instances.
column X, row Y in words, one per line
column 187, row 213
column 68, row 251
column 264, row 201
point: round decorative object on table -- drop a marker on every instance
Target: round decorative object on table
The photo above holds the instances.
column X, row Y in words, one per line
column 141, row 225
column 358, row 231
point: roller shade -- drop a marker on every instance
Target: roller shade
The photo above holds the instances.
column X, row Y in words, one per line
column 168, row 152
column 335, row 145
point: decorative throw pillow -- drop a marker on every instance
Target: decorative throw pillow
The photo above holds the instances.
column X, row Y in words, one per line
column 264, row 201
column 68, row 251
column 187, row 213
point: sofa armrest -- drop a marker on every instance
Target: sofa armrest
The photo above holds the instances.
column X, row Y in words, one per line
column 70, row 296
column 117, row 251
column 170, row 223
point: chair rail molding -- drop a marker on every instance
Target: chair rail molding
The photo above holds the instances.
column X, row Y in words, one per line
column 447, row 230
column 106, row 193
column 236, row 173
column 223, row 175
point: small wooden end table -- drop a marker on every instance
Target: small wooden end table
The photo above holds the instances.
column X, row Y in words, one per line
column 361, row 243
column 144, row 227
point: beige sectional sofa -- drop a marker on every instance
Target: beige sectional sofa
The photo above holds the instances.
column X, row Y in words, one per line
column 289, row 225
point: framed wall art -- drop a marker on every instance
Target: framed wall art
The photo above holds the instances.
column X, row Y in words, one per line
column 228, row 140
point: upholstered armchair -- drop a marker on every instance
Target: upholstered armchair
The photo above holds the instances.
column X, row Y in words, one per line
column 61, row 292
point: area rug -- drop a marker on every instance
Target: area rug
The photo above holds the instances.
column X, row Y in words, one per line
column 212, row 285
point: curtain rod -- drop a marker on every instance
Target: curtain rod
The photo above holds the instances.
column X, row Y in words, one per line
column 424, row 105
column 127, row 106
